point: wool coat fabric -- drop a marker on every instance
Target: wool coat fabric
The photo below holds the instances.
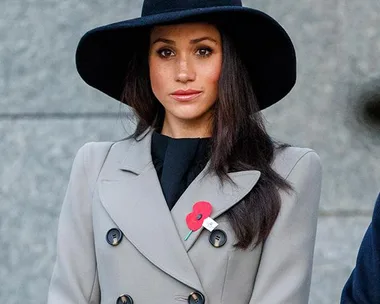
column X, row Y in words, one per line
column 363, row 286
column 115, row 185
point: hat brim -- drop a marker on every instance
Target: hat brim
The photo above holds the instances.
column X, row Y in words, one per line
column 266, row 49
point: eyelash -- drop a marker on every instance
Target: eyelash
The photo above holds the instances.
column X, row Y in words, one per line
column 207, row 49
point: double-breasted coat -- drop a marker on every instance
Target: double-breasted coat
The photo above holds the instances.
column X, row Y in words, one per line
column 115, row 185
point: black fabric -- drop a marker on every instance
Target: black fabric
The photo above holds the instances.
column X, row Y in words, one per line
column 178, row 161
column 152, row 7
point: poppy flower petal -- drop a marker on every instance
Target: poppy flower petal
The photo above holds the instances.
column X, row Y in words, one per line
column 201, row 211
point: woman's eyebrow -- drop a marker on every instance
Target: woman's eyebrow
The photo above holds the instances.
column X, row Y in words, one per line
column 193, row 41
column 164, row 40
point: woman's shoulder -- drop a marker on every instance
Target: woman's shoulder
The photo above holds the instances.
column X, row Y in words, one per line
column 98, row 148
column 287, row 159
column 94, row 154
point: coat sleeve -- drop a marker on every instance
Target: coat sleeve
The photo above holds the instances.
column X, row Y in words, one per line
column 363, row 286
column 284, row 273
column 74, row 279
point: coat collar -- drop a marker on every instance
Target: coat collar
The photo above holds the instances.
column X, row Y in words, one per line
column 131, row 193
column 138, row 155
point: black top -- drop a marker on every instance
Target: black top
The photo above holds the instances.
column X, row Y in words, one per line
column 178, row 161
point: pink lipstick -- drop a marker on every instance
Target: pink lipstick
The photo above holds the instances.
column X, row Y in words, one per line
column 185, row 95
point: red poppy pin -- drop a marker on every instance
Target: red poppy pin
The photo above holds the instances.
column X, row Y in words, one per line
column 194, row 220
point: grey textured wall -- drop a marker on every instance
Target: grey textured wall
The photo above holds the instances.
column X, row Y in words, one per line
column 47, row 113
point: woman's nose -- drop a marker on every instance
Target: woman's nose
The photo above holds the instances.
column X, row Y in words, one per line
column 185, row 71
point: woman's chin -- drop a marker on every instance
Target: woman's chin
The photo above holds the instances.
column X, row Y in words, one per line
column 189, row 116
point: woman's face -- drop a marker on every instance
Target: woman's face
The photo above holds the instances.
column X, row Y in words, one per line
column 185, row 63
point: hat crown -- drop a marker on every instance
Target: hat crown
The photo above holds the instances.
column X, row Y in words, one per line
column 153, row 7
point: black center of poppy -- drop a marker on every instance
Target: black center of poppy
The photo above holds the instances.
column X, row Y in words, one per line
column 199, row 216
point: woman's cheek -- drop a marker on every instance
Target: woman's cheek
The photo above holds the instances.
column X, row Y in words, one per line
column 159, row 74
column 158, row 78
column 212, row 72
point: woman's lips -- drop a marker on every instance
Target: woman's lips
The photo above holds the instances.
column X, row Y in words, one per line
column 185, row 95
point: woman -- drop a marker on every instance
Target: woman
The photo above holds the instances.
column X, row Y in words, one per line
column 199, row 205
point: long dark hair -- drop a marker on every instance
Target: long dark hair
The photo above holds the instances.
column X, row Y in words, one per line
column 239, row 139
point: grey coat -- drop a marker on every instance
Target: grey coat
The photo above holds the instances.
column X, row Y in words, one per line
column 115, row 185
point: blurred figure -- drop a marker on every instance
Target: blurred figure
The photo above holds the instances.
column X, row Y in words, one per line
column 363, row 286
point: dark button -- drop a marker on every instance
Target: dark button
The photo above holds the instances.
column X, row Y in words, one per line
column 218, row 238
column 124, row 299
column 196, row 298
column 114, row 236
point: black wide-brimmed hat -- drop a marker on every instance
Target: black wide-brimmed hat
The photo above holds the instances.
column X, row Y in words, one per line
column 103, row 53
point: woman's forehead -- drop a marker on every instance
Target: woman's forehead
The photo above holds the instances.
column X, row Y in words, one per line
column 191, row 29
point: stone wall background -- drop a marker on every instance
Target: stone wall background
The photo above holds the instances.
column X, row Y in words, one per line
column 47, row 113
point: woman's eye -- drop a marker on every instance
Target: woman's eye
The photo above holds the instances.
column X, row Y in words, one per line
column 165, row 53
column 204, row 52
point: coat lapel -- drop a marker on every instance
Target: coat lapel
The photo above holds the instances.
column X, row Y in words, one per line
column 131, row 193
column 221, row 196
